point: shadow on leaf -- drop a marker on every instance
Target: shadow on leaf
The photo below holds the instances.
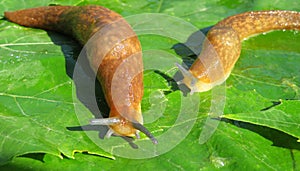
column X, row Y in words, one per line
column 279, row 138
column 71, row 51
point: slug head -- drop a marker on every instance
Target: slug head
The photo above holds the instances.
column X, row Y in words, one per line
column 192, row 82
column 123, row 127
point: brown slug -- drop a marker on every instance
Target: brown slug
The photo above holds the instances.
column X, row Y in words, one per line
column 115, row 57
column 222, row 47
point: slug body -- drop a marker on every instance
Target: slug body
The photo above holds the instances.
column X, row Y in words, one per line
column 113, row 52
column 222, row 47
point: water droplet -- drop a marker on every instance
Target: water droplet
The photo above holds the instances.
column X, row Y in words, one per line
column 219, row 162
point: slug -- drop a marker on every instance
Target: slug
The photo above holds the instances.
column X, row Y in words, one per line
column 222, row 46
column 115, row 57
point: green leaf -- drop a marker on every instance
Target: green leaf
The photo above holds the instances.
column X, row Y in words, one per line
column 271, row 73
column 284, row 117
column 36, row 103
column 257, row 154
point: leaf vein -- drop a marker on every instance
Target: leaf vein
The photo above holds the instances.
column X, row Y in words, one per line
column 35, row 98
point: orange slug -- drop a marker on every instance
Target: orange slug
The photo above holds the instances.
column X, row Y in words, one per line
column 117, row 46
column 222, row 47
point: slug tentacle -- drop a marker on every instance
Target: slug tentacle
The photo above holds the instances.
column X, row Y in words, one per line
column 105, row 121
column 140, row 127
column 222, row 47
column 188, row 79
column 109, row 133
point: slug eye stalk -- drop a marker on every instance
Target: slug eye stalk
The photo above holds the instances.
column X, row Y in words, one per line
column 144, row 130
column 105, row 121
column 188, row 79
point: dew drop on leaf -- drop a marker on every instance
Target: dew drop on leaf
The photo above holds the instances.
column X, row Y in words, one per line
column 218, row 162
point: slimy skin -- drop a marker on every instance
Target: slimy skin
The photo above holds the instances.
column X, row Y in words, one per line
column 113, row 52
column 222, row 47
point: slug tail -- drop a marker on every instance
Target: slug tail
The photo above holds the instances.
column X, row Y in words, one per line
column 256, row 22
column 42, row 17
